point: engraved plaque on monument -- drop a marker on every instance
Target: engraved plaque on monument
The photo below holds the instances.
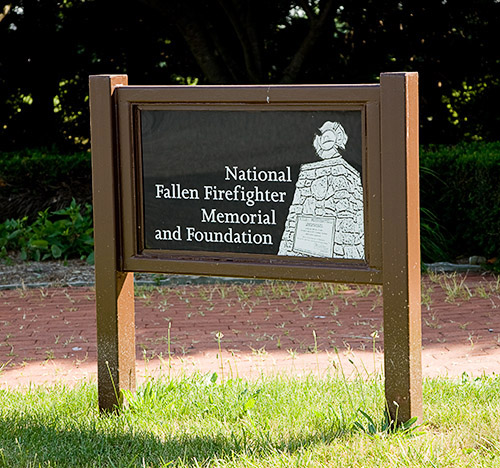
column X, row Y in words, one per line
column 314, row 235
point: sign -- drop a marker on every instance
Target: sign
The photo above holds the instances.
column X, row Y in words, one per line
column 214, row 181
column 299, row 182
column 239, row 181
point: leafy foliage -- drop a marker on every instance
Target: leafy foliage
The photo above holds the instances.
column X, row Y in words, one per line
column 41, row 167
column 451, row 45
column 465, row 197
column 32, row 180
column 433, row 243
column 66, row 233
column 385, row 427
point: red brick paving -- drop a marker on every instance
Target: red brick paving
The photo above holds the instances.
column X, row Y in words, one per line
column 48, row 335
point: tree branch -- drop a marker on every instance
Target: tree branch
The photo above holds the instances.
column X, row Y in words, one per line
column 192, row 29
column 197, row 40
column 5, row 11
column 234, row 68
column 246, row 36
column 316, row 28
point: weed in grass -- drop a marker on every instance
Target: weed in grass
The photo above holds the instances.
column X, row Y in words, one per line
column 463, row 326
column 219, row 337
column 69, row 341
column 315, row 351
column 433, row 321
column 426, row 295
column 481, row 292
column 3, row 365
column 260, row 352
column 455, row 287
column 434, row 277
column 471, row 340
column 335, row 309
column 169, row 341
column 364, row 290
column 386, row 427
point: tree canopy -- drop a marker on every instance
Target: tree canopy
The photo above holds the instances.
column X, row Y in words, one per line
column 49, row 47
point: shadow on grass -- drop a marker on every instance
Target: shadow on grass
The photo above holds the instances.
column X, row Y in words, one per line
column 24, row 441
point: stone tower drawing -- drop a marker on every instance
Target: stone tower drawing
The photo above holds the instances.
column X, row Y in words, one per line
column 326, row 217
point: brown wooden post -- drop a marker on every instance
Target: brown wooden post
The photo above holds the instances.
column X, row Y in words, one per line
column 401, row 245
column 114, row 288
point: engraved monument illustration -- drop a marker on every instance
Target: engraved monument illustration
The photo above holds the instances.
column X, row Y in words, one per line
column 326, row 218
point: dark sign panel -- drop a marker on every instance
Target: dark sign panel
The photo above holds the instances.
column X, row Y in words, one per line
column 269, row 182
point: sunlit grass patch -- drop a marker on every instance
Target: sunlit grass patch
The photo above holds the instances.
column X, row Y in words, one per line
column 203, row 421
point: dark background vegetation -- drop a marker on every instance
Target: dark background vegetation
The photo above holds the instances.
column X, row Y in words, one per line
column 48, row 48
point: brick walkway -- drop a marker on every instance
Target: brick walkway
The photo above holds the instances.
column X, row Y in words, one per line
column 48, row 335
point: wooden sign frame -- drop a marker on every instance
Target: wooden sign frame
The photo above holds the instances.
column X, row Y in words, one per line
column 389, row 113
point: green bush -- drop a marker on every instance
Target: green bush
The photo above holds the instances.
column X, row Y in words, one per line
column 41, row 168
column 460, row 199
column 33, row 180
column 66, row 233
column 460, row 187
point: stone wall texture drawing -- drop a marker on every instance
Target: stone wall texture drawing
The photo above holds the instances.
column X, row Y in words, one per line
column 326, row 216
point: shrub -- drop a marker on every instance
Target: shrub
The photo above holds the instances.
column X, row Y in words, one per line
column 460, row 199
column 460, row 186
column 66, row 233
column 33, row 180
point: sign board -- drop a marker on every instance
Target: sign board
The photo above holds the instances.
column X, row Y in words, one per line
column 230, row 181
column 282, row 182
column 238, row 181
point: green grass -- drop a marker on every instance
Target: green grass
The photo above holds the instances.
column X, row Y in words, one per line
column 273, row 422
